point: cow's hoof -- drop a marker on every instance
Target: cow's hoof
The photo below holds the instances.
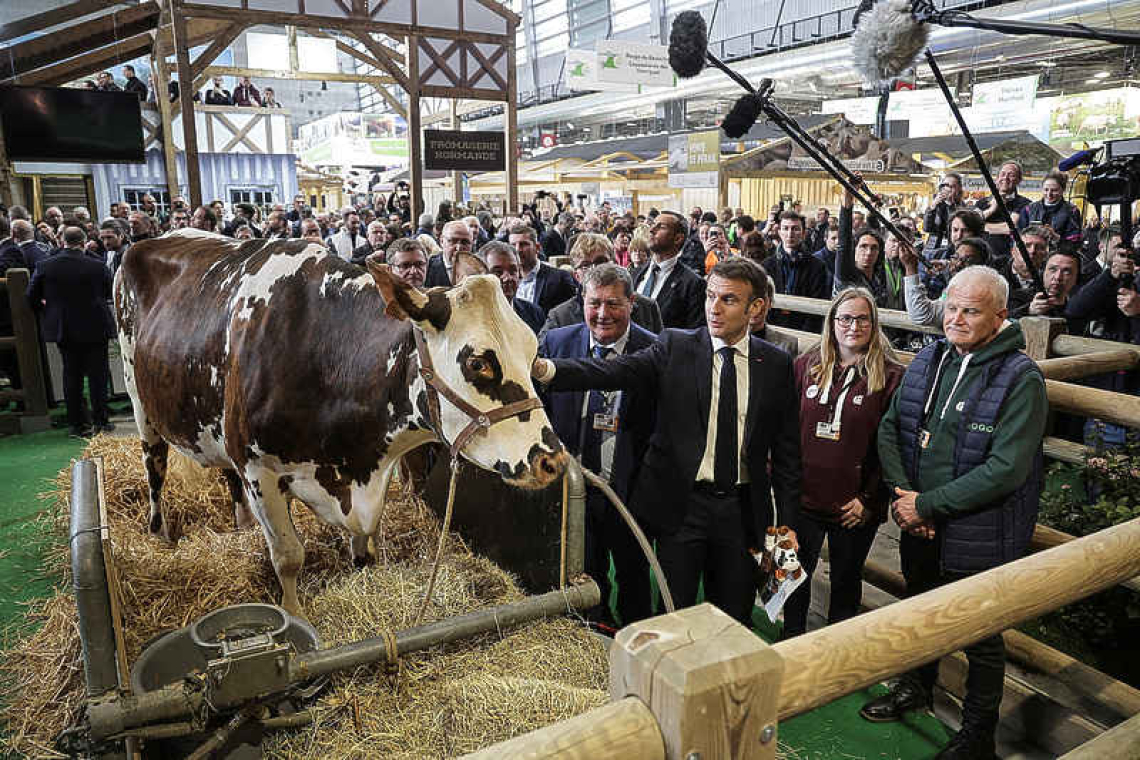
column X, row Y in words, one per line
column 360, row 562
column 156, row 525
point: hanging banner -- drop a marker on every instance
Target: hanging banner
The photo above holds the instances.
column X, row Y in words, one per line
column 450, row 150
column 694, row 159
column 634, row 63
column 582, row 74
column 909, row 104
column 855, row 110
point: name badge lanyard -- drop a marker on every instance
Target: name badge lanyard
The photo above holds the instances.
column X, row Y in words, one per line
column 830, row 430
column 924, row 433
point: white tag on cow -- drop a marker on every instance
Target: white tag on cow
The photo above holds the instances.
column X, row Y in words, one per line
column 857, row 401
column 812, row 391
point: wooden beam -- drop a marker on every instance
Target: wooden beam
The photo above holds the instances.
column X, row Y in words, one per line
column 415, row 131
column 512, row 128
column 346, row 23
column 390, row 99
column 185, row 98
column 239, row 134
column 217, row 47
column 54, row 17
column 296, row 76
column 83, row 65
column 1117, row 743
column 77, row 40
column 162, row 98
column 456, row 176
column 5, row 174
column 393, row 54
column 1084, row 365
column 294, row 55
column 469, row 93
column 381, row 56
column 834, row 661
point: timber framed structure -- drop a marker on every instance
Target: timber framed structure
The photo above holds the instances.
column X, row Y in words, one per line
column 448, row 49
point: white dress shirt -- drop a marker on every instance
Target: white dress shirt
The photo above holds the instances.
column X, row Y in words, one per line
column 665, row 267
column 527, row 284
column 740, row 360
column 609, row 440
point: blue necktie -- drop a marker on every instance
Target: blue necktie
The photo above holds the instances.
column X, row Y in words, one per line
column 726, row 456
column 591, row 437
column 650, row 281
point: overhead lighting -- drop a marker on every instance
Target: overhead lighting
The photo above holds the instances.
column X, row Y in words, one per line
column 1102, row 75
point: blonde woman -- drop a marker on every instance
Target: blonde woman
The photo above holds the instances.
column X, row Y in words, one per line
column 845, row 386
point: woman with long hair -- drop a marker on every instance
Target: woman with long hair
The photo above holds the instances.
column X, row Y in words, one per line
column 845, row 386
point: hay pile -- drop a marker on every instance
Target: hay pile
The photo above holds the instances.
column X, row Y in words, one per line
column 450, row 701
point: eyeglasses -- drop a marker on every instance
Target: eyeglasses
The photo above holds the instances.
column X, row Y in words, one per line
column 859, row 320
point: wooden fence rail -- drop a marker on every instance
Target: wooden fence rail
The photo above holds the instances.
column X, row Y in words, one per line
column 25, row 342
column 708, row 683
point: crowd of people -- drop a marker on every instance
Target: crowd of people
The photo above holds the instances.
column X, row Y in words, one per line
column 244, row 93
column 665, row 368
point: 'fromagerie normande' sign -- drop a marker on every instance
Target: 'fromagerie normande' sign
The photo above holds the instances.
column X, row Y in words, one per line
column 449, row 150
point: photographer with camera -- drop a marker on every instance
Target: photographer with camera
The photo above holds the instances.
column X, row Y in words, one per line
column 400, row 203
column 948, row 199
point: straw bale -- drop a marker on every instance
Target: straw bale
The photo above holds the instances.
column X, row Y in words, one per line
column 451, row 699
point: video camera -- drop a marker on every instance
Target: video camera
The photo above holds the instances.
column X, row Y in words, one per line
column 1116, row 182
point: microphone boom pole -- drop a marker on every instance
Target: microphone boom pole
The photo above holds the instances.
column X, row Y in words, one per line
column 925, row 11
column 985, row 171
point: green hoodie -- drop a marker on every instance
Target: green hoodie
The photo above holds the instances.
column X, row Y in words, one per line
column 1017, row 436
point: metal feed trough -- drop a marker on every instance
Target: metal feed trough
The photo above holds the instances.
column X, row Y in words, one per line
column 203, row 691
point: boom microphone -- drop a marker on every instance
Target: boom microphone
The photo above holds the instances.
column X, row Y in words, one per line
column 887, row 41
column 743, row 115
column 1079, row 158
column 688, row 44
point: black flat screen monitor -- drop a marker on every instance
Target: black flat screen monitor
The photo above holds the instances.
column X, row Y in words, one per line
column 62, row 124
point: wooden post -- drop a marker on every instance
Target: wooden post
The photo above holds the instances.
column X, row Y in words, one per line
column 841, row 658
column 1039, row 334
column 294, row 56
column 169, row 152
column 456, row 176
column 5, row 174
column 711, row 683
column 1119, row 408
column 511, row 114
column 415, row 138
column 186, row 99
column 35, row 416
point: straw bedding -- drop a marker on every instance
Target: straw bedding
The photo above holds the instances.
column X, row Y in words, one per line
column 450, row 700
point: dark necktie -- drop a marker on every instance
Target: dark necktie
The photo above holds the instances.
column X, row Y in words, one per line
column 650, row 282
column 592, row 437
column 727, row 453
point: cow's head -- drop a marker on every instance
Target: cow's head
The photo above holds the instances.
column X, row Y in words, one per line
column 483, row 351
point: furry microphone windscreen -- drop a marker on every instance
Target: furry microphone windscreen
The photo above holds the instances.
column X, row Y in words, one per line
column 743, row 115
column 688, row 43
column 887, row 41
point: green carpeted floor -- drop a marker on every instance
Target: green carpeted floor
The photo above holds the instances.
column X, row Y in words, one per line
column 28, row 463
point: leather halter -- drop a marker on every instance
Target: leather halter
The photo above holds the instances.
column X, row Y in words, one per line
column 479, row 421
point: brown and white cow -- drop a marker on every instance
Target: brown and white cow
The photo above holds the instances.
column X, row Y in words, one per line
column 277, row 361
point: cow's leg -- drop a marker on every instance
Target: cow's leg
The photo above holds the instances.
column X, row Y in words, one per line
column 243, row 517
column 155, row 452
column 270, row 506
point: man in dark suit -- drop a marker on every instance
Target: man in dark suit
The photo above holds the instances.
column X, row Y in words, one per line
column 704, row 486
column 796, row 272
column 554, row 238
column 454, row 239
column 608, row 432
column 679, row 293
column 28, row 252
column 73, row 292
column 541, row 284
column 502, row 261
column 644, row 312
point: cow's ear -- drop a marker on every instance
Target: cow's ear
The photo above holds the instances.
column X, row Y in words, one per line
column 466, row 264
column 402, row 301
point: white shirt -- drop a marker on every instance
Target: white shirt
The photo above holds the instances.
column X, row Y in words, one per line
column 344, row 243
column 740, row 361
column 527, row 284
column 609, row 440
column 665, row 267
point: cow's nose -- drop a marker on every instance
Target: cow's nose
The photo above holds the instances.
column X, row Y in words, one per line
column 547, row 467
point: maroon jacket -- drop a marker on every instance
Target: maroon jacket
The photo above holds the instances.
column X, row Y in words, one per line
column 836, row 471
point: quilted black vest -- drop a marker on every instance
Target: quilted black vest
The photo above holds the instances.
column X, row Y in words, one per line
column 998, row 532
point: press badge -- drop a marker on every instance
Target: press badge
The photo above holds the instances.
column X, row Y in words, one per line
column 827, row 431
column 924, row 437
